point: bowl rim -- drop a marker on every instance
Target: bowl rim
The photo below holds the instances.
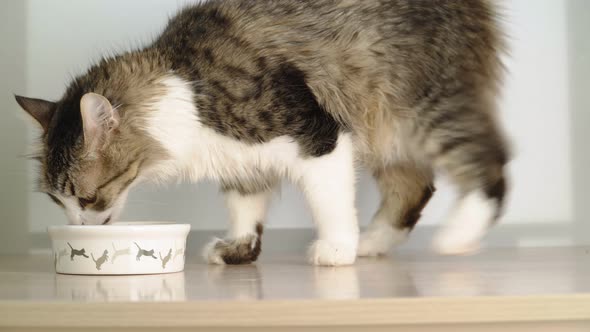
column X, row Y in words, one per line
column 123, row 227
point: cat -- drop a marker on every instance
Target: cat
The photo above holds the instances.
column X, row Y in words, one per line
column 178, row 252
column 100, row 290
column 251, row 92
column 166, row 291
column 120, row 252
column 166, row 259
column 142, row 252
column 101, row 260
column 76, row 252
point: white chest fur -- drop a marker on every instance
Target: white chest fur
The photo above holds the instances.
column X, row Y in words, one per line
column 199, row 152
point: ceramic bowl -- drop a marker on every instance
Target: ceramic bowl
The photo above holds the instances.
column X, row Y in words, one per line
column 120, row 248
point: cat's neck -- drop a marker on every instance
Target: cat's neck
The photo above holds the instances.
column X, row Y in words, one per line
column 171, row 119
column 157, row 102
column 133, row 79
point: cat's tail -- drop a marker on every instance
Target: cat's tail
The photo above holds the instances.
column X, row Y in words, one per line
column 138, row 247
column 114, row 249
column 160, row 254
column 70, row 246
column 91, row 254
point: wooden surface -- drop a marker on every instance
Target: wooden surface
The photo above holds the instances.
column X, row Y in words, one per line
column 496, row 286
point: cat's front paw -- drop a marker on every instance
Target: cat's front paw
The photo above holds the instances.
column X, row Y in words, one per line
column 327, row 253
column 244, row 250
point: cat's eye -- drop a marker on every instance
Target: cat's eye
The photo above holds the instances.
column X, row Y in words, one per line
column 86, row 201
column 55, row 200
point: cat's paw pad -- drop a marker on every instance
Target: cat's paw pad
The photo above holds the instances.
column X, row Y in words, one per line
column 328, row 253
column 244, row 250
column 379, row 239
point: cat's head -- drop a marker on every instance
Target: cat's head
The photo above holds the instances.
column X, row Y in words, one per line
column 89, row 156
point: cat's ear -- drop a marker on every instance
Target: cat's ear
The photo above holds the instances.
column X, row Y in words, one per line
column 39, row 109
column 99, row 119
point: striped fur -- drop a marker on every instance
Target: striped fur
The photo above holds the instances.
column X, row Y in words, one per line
column 250, row 92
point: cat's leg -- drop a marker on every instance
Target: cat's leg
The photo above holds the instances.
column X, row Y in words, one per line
column 465, row 142
column 405, row 189
column 242, row 245
column 328, row 183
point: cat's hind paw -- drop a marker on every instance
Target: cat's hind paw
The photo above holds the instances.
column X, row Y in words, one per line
column 328, row 253
column 467, row 225
column 378, row 240
column 244, row 250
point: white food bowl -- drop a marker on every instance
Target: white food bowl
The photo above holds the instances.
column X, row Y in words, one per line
column 120, row 248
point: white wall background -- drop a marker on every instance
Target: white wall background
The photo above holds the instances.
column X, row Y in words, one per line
column 60, row 38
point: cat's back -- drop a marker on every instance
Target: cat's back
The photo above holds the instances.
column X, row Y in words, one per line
column 406, row 33
column 393, row 49
column 291, row 21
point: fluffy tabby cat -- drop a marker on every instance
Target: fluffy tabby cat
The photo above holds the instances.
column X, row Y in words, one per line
column 250, row 92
